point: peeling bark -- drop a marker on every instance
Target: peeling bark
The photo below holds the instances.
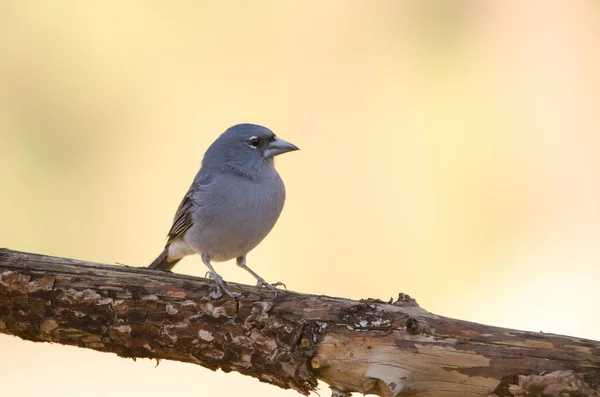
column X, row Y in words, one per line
column 291, row 340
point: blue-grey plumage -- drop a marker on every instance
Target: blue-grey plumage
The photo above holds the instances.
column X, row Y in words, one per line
column 233, row 203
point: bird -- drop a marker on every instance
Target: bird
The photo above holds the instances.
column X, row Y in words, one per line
column 232, row 204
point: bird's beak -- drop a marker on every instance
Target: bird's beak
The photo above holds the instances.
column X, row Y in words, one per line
column 279, row 146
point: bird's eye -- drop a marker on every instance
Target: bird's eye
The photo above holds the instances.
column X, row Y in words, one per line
column 254, row 141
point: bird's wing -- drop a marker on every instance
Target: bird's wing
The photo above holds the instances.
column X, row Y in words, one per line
column 183, row 217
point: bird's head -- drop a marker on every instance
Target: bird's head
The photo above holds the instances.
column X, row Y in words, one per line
column 246, row 149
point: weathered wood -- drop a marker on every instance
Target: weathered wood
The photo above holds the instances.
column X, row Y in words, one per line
column 290, row 340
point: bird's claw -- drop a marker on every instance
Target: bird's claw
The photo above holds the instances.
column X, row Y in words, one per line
column 220, row 287
column 273, row 287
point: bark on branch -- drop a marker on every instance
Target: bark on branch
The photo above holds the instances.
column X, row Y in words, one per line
column 367, row 346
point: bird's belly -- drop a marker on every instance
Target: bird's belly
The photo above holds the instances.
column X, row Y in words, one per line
column 236, row 224
column 225, row 243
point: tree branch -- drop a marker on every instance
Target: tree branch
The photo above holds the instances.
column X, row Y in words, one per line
column 290, row 340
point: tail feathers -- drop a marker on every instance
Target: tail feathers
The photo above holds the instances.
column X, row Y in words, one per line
column 162, row 263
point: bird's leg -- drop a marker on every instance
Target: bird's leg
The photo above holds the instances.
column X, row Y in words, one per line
column 241, row 262
column 219, row 284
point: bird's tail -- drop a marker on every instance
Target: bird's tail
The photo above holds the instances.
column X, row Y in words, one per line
column 162, row 263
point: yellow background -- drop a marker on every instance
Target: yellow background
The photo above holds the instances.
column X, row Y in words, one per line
column 450, row 150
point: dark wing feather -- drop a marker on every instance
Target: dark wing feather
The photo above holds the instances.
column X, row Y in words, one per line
column 183, row 217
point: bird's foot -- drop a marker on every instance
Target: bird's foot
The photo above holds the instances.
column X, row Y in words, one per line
column 208, row 274
column 273, row 287
column 220, row 287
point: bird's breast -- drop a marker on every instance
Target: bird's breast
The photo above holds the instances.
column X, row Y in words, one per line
column 236, row 216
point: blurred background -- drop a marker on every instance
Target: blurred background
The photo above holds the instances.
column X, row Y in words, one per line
column 450, row 150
